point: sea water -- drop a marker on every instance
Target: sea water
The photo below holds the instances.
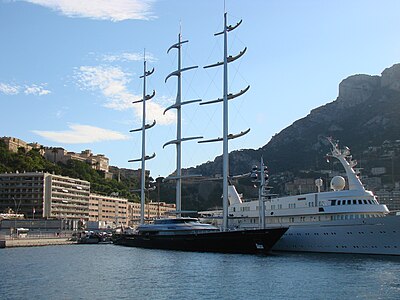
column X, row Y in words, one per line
column 116, row 272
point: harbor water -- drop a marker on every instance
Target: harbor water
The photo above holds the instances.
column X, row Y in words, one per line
column 115, row 272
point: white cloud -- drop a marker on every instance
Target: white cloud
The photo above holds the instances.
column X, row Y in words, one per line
column 114, row 10
column 14, row 89
column 128, row 56
column 36, row 90
column 112, row 83
column 81, row 134
column 9, row 89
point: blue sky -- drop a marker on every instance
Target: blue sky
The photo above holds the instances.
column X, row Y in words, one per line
column 70, row 69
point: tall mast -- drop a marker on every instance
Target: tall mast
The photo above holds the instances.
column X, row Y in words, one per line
column 178, row 105
column 226, row 97
column 346, row 159
column 143, row 130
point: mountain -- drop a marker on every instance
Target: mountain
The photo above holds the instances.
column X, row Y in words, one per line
column 365, row 114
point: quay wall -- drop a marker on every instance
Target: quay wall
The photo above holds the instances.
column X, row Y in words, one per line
column 32, row 242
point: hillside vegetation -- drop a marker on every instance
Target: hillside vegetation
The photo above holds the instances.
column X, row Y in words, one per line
column 32, row 161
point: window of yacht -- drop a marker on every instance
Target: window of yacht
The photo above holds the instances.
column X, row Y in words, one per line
column 365, row 201
column 348, row 202
column 333, row 202
column 339, row 202
column 359, row 202
column 370, row 202
column 354, row 201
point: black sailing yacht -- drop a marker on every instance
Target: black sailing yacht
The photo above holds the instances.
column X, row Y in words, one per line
column 189, row 234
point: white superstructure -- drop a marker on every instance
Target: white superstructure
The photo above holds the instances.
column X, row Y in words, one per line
column 349, row 221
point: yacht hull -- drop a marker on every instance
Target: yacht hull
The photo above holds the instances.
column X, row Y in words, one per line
column 363, row 236
column 239, row 241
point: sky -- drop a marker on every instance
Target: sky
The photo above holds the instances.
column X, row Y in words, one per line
column 69, row 69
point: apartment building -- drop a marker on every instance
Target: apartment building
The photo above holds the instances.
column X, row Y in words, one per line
column 23, row 193
column 108, row 211
column 44, row 195
column 152, row 210
column 66, row 198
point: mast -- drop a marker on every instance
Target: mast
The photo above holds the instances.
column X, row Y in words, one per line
column 261, row 193
column 178, row 106
column 260, row 177
column 143, row 130
column 348, row 163
column 226, row 97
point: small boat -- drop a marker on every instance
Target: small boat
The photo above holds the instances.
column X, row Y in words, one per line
column 88, row 238
column 189, row 234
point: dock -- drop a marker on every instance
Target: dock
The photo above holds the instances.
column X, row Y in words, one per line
column 34, row 242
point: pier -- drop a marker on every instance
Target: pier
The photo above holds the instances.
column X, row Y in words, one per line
column 33, row 241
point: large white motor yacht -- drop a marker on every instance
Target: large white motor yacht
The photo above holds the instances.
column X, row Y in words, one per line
column 343, row 220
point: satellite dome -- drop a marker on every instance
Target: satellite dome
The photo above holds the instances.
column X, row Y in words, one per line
column 338, row 183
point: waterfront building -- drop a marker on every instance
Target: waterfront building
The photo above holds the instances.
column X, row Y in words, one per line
column 108, row 211
column 23, row 193
column 44, row 195
column 66, row 198
column 153, row 210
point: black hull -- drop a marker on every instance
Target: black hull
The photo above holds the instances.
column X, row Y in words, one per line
column 239, row 241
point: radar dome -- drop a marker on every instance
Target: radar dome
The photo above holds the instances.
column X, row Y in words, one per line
column 338, row 183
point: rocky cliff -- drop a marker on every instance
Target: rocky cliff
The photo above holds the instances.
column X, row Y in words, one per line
column 365, row 113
